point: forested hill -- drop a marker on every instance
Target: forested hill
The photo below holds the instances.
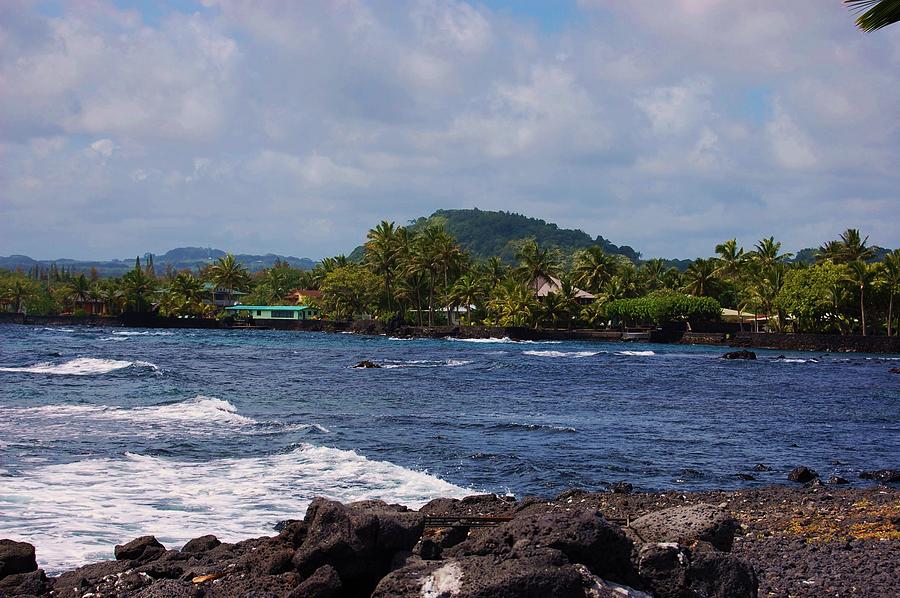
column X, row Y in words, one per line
column 485, row 234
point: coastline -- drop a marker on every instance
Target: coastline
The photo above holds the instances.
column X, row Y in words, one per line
column 811, row 540
column 821, row 343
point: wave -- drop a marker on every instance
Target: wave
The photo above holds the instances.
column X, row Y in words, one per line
column 522, row 426
column 503, row 340
column 636, row 353
column 562, row 353
column 77, row 512
column 143, row 333
column 795, row 360
column 82, row 366
column 423, row 363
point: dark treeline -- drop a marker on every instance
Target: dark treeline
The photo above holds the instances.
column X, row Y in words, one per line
column 421, row 275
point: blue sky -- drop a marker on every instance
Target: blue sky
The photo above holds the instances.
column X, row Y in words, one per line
column 293, row 127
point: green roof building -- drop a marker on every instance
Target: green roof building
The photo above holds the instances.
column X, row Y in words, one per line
column 275, row 312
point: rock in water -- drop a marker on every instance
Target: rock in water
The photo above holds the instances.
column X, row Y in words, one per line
column 836, row 479
column 365, row 363
column 687, row 524
column 895, row 370
column 885, row 476
column 621, row 488
column 760, row 467
column 16, row 557
column 802, row 475
column 742, row 354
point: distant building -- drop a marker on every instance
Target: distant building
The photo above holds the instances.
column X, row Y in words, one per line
column 220, row 297
column 275, row 312
column 544, row 285
column 303, row 296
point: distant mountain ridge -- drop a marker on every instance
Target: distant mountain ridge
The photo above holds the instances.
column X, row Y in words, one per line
column 181, row 258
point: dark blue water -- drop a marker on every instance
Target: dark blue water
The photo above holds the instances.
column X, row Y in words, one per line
column 109, row 434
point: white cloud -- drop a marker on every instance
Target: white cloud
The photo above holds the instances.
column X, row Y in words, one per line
column 790, row 145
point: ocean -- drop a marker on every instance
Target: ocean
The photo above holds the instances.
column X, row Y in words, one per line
column 109, row 434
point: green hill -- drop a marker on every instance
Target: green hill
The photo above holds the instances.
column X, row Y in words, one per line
column 484, row 234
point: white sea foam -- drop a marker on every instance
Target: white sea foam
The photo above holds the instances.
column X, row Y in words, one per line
column 505, row 339
column 796, row 360
column 562, row 353
column 77, row 512
column 636, row 353
column 423, row 363
column 143, row 333
column 82, row 366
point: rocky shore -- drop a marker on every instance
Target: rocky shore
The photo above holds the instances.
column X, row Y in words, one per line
column 814, row 540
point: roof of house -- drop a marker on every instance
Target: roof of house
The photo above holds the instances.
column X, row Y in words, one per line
column 546, row 285
column 305, row 293
column 268, row 307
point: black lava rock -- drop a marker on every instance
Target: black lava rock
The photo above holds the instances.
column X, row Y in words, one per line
column 885, row 476
column 760, row 467
column 16, row 557
column 143, row 548
column 745, row 476
column 802, row 475
column 621, row 488
column 365, row 363
column 201, row 544
column 836, row 479
column 742, row 354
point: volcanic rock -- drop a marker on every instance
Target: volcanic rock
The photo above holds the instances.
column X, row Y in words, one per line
column 324, row 583
column 885, row 476
column 759, row 467
column 621, row 488
column 686, row 524
column 143, row 548
column 16, row 557
column 365, row 363
column 742, row 354
column 201, row 544
column 802, row 475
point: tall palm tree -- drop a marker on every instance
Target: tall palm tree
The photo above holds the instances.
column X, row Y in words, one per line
column 229, row 274
column 767, row 252
column 700, row 279
column 832, row 251
column 537, row 262
column 593, row 267
column 860, row 275
column 17, row 292
column 854, row 248
column 889, row 276
column 80, row 289
column 382, row 255
column 468, row 290
column 137, row 287
column 653, row 274
column 875, row 14
column 731, row 258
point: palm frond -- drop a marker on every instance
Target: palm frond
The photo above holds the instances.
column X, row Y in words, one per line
column 875, row 14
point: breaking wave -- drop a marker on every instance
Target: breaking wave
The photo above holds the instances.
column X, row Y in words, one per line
column 636, row 353
column 423, row 363
column 505, row 339
column 77, row 512
column 562, row 353
column 82, row 366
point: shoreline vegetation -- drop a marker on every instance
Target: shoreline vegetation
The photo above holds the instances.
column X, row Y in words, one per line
column 810, row 540
column 419, row 275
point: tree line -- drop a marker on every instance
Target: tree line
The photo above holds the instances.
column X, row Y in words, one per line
column 422, row 276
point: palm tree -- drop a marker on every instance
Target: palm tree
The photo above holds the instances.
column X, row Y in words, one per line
column 853, row 246
column 767, row 252
column 765, row 284
column 229, row 274
column 593, row 267
column 18, row 292
column 536, row 262
column 80, row 289
column 382, row 255
column 860, row 276
column 875, row 14
column 468, row 291
column 653, row 274
column 514, row 304
column 731, row 258
column 700, row 279
column 832, row 251
column 889, row 276
column 137, row 286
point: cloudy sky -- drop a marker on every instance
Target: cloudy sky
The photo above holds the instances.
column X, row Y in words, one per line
column 293, row 127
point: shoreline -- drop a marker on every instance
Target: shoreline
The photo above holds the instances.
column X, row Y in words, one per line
column 811, row 540
column 819, row 343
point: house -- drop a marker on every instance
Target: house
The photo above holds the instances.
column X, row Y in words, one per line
column 303, row 296
column 221, row 297
column 275, row 312
column 544, row 285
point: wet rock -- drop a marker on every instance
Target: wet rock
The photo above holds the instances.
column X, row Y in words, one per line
column 802, row 475
column 476, row 505
column 539, row 574
column 582, row 536
column 365, row 363
column 168, row 588
column 742, row 354
column 895, row 370
column 360, row 542
column 323, row 583
column 836, row 479
column 759, row 467
column 621, row 488
column 885, row 476
column 201, row 544
column 745, row 476
column 687, row 524
column 293, row 532
column 83, row 579
column 143, row 548
column 16, row 557
column 33, row 583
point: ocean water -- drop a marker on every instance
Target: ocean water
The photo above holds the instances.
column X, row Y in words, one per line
column 108, row 434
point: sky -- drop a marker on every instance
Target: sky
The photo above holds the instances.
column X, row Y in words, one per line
column 294, row 127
